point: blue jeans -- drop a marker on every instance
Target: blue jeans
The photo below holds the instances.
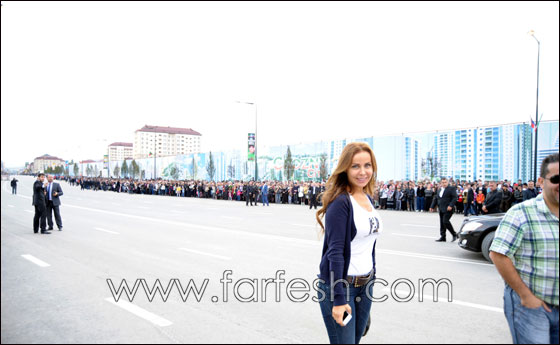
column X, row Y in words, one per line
column 353, row 331
column 419, row 203
column 265, row 199
column 529, row 326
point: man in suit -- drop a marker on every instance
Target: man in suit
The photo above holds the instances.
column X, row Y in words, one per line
column 249, row 193
column 445, row 199
column 493, row 200
column 313, row 192
column 54, row 191
column 39, row 201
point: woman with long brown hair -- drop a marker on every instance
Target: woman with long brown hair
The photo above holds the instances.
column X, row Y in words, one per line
column 351, row 228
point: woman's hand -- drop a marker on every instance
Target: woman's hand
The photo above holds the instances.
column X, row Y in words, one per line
column 338, row 313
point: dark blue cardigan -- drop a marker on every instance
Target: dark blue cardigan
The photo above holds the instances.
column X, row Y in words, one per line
column 340, row 230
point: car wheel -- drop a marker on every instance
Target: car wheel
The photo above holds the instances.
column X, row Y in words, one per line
column 486, row 243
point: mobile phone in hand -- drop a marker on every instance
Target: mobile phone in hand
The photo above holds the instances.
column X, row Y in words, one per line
column 346, row 318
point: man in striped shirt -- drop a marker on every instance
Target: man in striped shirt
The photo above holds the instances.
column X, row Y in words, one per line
column 525, row 252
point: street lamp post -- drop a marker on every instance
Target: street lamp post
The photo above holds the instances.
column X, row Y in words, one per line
column 532, row 33
column 256, row 164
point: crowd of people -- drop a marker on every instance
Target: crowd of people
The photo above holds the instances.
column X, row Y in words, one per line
column 301, row 193
column 473, row 198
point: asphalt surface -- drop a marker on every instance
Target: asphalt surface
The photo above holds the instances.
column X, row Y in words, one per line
column 55, row 287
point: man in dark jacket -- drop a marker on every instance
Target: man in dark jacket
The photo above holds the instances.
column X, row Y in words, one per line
column 493, row 200
column 470, row 206
column 530, row 192
column 14, row 186
column 40, row 204
column 445, row 198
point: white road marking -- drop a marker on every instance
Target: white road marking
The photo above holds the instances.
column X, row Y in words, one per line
column 304, row 225
column 234, row 218
column 107, row 231
column 411, row 235
column 434, row 257
column 254, row 235
column 11, row 206
column 142, row 313
column 426, row 297
column 29, row 211
column 207, row 254
column 36, row 261
column 422, row 226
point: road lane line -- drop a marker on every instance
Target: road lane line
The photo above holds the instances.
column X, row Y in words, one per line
column 411, row 235
column 207, row 254
column 434, row 257
column 107, row 231
column 422, row 226
column 11, row 206
column 444, row 300
column 303, row 225
column 34, row 260
column 142, row 313
column 254, row 235
column 28, row 211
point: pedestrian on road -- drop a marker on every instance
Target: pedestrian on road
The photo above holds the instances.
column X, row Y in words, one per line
column 351, row 228
column 54, row 192
column 39, row 201
column 313, row 194
column 14, row 185
column 445, row 199
column 525, row 252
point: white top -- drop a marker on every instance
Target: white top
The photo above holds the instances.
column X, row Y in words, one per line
column 368, row 226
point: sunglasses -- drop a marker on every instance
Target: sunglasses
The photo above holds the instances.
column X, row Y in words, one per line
column 554, row 179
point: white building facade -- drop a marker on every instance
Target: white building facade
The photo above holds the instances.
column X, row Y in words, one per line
column 165, row 141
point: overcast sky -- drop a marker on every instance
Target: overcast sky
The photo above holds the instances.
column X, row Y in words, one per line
column 78, row 76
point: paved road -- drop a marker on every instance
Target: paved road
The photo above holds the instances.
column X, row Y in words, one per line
column 55, row 287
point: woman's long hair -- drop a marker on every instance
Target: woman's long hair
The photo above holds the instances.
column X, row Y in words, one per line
column 338, row 182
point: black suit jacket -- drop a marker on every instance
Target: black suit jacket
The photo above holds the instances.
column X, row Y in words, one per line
column 55, row 188
column 470, row 196
column 448, row 198
column 39, row 195
column 493, row 201
column 310, row 191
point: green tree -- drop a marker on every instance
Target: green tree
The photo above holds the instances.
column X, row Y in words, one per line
column 124, row 168
column 323, row 167
column 289, row 166
column 88, row 170
column 231, row 170
column 194, row 168
column 76, row 169
column 211, row 168
column 117, row 171
column 135, row 169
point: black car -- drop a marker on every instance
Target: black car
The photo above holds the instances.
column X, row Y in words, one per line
column 477, row 233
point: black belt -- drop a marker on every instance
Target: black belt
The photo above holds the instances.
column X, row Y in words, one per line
column 358, row 281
